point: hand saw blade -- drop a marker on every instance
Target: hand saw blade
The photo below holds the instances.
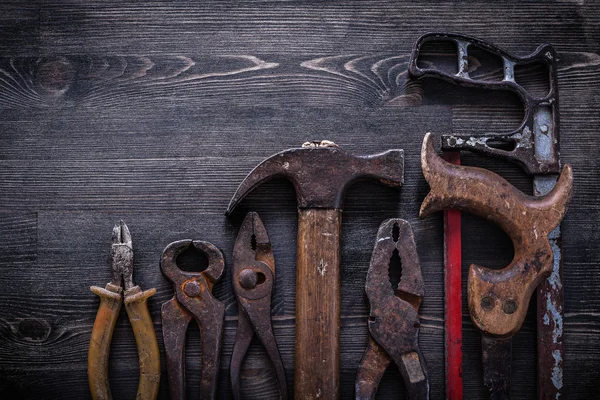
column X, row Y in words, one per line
column 550, row 311
column 496, row 357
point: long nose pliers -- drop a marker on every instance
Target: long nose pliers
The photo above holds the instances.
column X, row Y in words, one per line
column 253, row 278
column 139, row 317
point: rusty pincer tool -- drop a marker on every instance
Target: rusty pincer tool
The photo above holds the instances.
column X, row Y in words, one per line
column 253, row 278
column 193, row 299
column 394, row 320
column 139, row 317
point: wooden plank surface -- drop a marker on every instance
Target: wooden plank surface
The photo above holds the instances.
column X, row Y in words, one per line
column 155, row 112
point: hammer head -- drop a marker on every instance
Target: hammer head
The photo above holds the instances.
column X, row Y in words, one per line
column 321, row 173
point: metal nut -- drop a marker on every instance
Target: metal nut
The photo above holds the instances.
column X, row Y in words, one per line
column 248, row 278
column 192, row 288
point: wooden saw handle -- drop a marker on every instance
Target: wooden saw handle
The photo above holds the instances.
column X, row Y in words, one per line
column 498, row 299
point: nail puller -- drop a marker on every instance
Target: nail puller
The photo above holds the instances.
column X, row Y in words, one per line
column 193, row 299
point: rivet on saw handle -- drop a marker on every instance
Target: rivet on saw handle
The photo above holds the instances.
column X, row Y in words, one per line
column 498, row 299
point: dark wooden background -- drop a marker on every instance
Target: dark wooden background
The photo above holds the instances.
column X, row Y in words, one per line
column 154, row 112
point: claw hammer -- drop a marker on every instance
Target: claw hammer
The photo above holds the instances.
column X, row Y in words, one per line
column 320, row 172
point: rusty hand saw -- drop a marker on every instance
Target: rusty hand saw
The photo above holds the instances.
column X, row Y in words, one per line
column 534, row 146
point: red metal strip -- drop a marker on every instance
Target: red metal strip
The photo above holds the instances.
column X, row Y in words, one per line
column 453, row 296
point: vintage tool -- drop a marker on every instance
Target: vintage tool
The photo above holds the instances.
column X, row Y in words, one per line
column 453, row 296
column 320, row 173
column 193, row 299
column 394, row 320
column 139, row 317
column 534, row 146
column 253, row 277
column 498, row 299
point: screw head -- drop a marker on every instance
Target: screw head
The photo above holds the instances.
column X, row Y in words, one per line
column 487, row 303
column 248, row 278
column 192, row 289
column 509, row 306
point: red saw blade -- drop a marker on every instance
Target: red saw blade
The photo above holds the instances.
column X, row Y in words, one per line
column 453, row 296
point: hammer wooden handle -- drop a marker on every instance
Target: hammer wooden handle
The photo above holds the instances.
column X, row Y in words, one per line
column 317, row 362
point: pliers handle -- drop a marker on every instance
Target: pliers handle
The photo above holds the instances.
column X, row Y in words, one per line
column 193, row 299
column 145, row 337
column 139, row 317
column 394, row 320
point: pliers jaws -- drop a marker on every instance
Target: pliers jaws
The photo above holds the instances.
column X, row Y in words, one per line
column 394, row 320
column 253, row 278
column 121, row 253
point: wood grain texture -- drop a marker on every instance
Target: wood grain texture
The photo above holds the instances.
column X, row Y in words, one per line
column 155, row 111
column 318, row 304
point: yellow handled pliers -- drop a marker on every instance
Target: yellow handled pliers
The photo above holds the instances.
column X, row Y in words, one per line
column 139, row 317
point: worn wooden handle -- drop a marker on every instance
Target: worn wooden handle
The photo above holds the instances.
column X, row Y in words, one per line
column 104, row 325
column 317, row 358
column 145, row 338
column 498, row 299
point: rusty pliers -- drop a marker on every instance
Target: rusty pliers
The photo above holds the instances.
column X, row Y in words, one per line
column 139, row 317
column 394, row 320
column 193, row 299
column 253, row 278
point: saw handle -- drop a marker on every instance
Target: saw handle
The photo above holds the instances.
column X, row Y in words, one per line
column 544, row 54
column 498, row 299
column 534, row 141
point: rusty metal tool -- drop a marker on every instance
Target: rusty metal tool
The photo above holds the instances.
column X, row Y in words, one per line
column 535, row 146
column 193, row 299
column 141, row 323
column 320, row 173
column 453, row 296
column 253, row 278
column 534, row 142
column 498, row 299
column 394, row 319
